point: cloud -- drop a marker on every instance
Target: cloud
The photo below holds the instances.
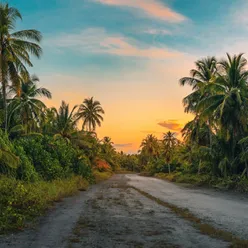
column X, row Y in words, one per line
column 97, row 40
column 152, row 8
column 173, row 125
column 123, row 145
column 154, row 31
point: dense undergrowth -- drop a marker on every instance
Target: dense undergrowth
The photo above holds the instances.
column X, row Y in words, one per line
column 21, row 202
column 37, row 170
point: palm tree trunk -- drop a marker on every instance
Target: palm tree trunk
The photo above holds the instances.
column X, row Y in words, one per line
column 4, row 84
column 5, row 106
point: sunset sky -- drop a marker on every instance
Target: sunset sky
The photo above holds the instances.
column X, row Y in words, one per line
column 130, row 54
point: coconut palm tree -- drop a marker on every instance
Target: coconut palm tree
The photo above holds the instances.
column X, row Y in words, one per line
column 91, row 114
column 25, row 106
column 200, row 77
column 169, row 143
column 15, row 50
column 150, row 146
column 66, row 121
column 229, row 103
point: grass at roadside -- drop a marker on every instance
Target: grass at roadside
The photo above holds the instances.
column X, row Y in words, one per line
column 102, row 176
column 229, row 183
column 21, row 202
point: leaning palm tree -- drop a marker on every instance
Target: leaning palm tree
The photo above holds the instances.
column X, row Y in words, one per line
column 15, row 50
column 91, row 114
column 25, row 106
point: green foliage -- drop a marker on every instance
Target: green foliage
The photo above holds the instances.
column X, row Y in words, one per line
column 26, row 171
column 54, row 157
column 21, row 202
column 129, row 162
column 45, row 163
column 101, row 176
column 8, row 160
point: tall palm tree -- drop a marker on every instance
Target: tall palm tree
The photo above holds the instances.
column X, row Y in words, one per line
column 150, row 146
column 66, row 121
column 91, row 114
column 200, row 77
column 170, row 142
column 229, row 103
column 15, row 50
column 25, row 106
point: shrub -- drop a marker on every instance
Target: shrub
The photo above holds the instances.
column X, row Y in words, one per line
column 101, row 165
column 26, row 170
column 21, row 202
column 101, row 176
column 53, row 158
column 48, row 167
column 8, row 160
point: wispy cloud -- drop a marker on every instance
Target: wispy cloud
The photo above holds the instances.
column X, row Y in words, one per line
column 172, row 125
column 97, row 40
column 152, row 8
column 154, row 31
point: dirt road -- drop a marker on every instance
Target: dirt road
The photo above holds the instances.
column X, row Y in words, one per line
column 224, row 210
column 113, row 214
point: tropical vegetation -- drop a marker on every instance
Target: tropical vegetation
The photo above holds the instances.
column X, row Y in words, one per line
column 44, row 153
column 214, row 147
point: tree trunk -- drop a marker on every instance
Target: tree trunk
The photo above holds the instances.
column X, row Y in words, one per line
column 5, row 105
column 4, row 84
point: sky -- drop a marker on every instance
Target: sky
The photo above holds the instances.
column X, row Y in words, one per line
column 130, row 55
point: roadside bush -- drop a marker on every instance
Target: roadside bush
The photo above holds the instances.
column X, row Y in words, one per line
column 26, row 170
column 83, row 168
column 48, row 167
column 101, row 176
column 8, row 160
column 242, row 185
column 52, row 158
column 101, row 165
column 21, row 202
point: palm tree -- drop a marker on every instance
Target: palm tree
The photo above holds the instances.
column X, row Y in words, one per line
column 91, row 113
column 25, row 106
column 48, row 122
column 201, row 76
column 150, row 146
column 15, row 50
column 107, row 140
column 229, row 103
column 169, row 142
column 66, row 121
